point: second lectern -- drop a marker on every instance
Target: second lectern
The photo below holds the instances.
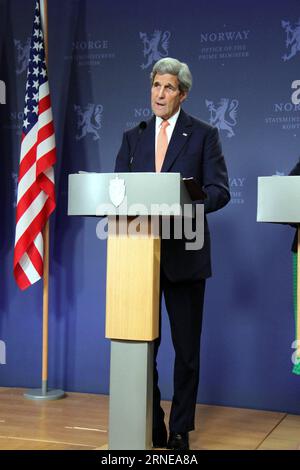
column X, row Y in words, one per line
column 278, row 201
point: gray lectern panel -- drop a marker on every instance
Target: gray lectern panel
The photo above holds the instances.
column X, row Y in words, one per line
column 278, row 199
column 130, row 194
column 131, row 395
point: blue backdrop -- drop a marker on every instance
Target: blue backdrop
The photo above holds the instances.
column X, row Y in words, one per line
column 100, row 57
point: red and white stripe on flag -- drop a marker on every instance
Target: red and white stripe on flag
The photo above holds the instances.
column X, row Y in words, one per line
column 36, row 190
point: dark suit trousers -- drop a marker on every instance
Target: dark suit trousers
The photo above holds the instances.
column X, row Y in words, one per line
column 184, row 303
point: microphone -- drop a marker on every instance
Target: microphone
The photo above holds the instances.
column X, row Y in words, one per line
column 142, row 127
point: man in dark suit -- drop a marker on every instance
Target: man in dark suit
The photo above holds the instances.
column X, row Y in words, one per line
column 295, row 172
column 173, row 141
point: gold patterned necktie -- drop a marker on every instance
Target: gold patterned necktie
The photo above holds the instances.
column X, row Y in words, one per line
column 162, row 145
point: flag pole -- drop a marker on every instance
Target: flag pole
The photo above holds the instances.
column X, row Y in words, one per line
column 45, row 309
column 44, row 19
column 44, row 393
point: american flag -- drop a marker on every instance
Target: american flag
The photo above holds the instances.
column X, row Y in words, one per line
column 36, row 190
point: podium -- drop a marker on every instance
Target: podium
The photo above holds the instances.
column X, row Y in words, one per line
column 134, row 204
column 278, row 201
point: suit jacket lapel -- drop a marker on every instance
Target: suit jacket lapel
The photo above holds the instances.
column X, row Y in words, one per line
column 147, row 147
column 180, row 136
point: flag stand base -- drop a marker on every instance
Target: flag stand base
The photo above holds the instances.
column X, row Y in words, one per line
column 44, row 394
column 37, row 394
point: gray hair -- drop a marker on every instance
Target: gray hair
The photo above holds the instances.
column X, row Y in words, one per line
column 174, row 67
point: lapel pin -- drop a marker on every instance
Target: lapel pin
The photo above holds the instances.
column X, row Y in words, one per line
column 185, row 135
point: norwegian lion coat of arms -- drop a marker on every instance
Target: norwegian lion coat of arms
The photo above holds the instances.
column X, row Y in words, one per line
column 23, row 51
column 223, row 116
column 156, row 47
column 89, row 120
column 292, row 39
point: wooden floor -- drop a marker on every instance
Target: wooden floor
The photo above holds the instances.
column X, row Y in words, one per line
column 80, row 421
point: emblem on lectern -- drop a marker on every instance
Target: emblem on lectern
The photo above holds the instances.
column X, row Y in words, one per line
column 117, row 190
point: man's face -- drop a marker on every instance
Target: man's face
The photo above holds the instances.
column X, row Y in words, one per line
column 166, row 96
